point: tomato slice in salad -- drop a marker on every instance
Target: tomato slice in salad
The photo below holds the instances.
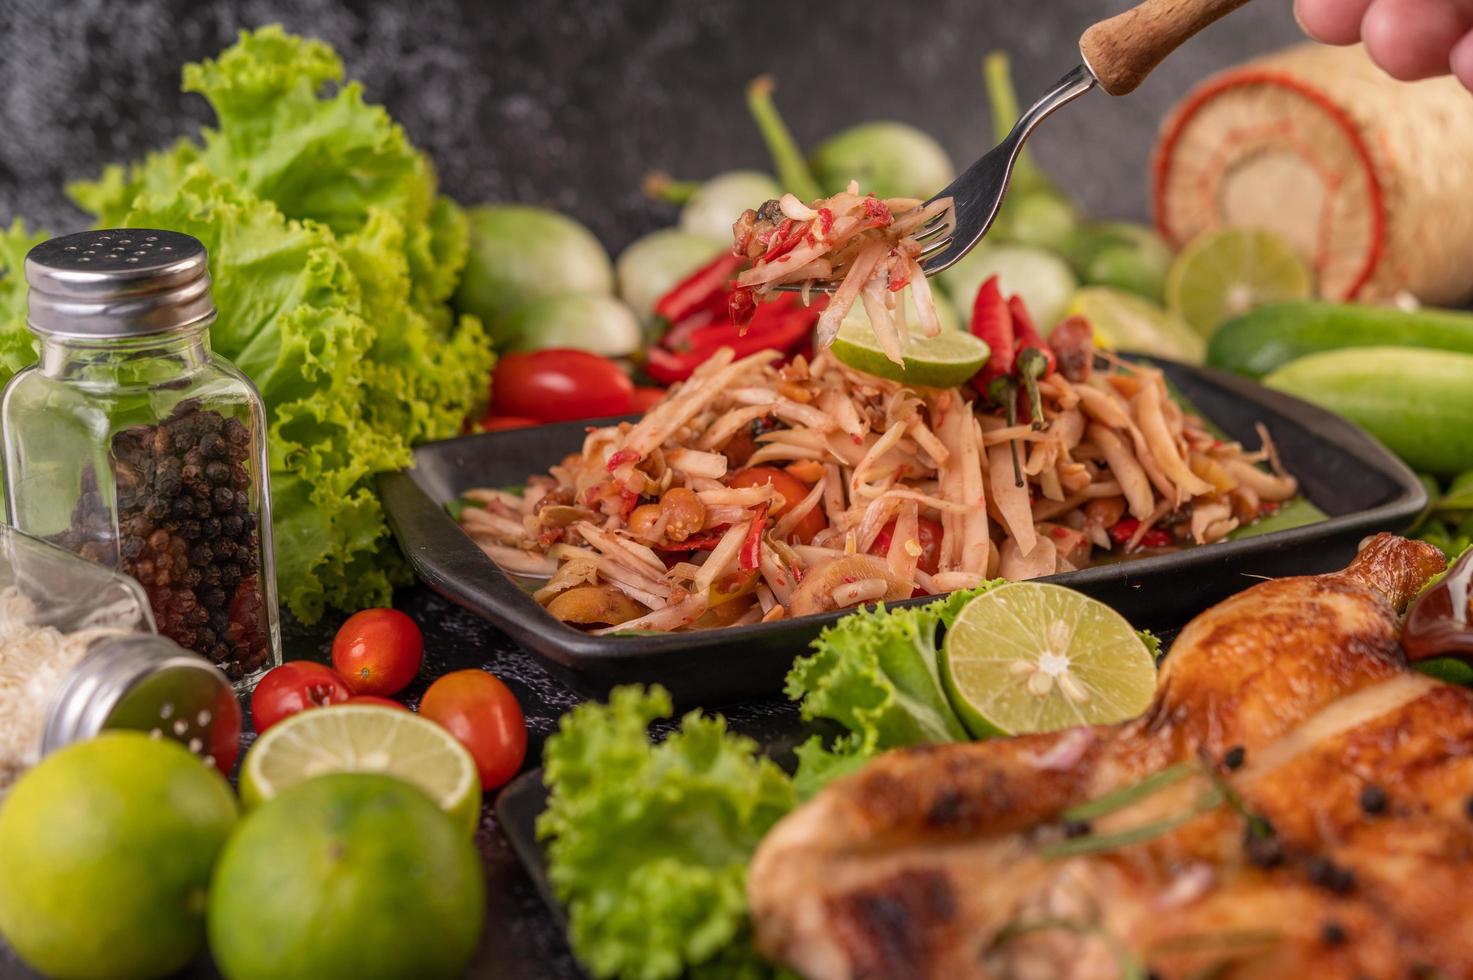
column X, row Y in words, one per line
column 558, row 385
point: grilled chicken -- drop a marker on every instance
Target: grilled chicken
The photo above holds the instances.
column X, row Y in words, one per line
column 1345, row 847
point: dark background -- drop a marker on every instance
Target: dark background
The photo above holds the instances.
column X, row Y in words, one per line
column 569, row 102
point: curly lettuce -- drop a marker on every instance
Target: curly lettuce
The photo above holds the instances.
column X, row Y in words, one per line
column 333, row 259
column 648, row 844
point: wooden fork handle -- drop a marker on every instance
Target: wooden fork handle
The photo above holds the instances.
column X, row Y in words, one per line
column 1123, row 50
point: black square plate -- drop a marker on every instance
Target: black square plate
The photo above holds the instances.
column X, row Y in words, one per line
column 1340, row 468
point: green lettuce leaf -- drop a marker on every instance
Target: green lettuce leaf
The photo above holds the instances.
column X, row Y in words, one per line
column 17, row 346
column 877, row 673
column 648, row 844
column 333, row 258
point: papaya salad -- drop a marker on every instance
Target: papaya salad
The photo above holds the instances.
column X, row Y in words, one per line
column 766, row 486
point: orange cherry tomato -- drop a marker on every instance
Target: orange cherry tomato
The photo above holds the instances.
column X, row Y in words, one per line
column 793, row 491
column 378, row 651
column 483, row 714
column 295, row 686
column 928, row 531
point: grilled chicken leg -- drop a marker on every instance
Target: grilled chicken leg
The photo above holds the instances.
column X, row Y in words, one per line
column 1346, row 847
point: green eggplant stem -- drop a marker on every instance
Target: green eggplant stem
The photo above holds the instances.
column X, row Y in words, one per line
column 1032, row 365
column 660, row 186
column 1005, row 391
column 787, row 158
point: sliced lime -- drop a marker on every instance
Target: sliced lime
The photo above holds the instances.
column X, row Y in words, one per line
column 1033, row 657
column 1223, row 274
column 950, row 358
column 364, row 738
column 1127, row 322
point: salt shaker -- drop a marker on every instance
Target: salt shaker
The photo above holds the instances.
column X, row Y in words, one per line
column 78, row 655
column 130, row 443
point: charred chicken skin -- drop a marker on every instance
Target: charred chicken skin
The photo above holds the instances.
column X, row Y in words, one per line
column 1320, row 825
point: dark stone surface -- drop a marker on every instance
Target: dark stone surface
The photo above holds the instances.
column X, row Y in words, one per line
column 568, row 103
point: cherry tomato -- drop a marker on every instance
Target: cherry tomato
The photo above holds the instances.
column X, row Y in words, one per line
column 793, row 491
column 645, row 397
column 375, row 699
column 484, row 715
column 559, row 386
column 293, row 687
column 497, row 423
column 928, row 531
column 378, row 651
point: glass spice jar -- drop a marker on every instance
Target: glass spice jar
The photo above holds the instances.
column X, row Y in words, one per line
column 130, row 443
column 78, row 655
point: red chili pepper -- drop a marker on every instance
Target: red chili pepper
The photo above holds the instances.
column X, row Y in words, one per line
column 825, row 221
column 781, row 324
column 1026, row 334
column 696, row 289
column 741, row 306
column 878, row 212
column 1125, row 528
column 785, row 238
column 992, row 323
column 751, row 554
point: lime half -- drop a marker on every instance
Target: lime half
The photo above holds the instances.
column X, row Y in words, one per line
column 364, row 738
column 1223, row 274
column 1032, row 657
column 1127, row 322
column 948, row 359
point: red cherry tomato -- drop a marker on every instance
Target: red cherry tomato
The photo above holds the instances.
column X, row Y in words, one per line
column 378, row 651
column 498, row 423
column 644, row 398
column 375, row 699
column 559, row 386
column 929, row 533
column 294, row 687
column 793, row 491
column 483, row 714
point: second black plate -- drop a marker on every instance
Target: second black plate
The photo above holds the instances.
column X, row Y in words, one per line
column 1341, row 469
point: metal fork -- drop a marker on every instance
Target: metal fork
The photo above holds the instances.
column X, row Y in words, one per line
column 1117, row 55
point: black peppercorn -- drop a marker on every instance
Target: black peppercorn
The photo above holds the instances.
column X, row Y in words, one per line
column 1373, row 799
column 186, row 531
column 1077, row 828
column 1261, row 844
column 1328, row 875
column 1332, row 933
column 1233, row 757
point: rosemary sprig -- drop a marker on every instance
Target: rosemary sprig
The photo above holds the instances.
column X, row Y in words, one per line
column 1257, row 825
column 1127, row 795
column 1095, row 843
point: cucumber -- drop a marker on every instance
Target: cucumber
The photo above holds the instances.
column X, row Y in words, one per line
column 1418, row 402
column 1267, row 338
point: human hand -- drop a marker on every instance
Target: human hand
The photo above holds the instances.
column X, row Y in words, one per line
column 1410, row 39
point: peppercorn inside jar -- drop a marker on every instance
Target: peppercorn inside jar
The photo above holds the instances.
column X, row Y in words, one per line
column 132, row 444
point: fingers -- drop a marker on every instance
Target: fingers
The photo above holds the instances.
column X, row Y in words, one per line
column 1412, row 39
column 1332, row 21
column 1462, row 61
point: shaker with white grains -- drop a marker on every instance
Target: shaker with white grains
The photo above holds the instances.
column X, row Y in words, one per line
column 132, row 444
column 78, row 655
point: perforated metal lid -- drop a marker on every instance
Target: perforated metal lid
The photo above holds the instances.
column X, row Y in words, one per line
column 124, row 282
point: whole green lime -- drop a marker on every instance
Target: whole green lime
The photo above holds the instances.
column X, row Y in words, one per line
column 106, row 849
column 520, row 253
column 347, row 875
column 889, row 159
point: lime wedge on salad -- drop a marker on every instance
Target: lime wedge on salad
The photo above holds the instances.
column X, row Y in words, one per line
column 1223, row 274
column 948, row 359
column 1033, row 657
column 364, row 738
